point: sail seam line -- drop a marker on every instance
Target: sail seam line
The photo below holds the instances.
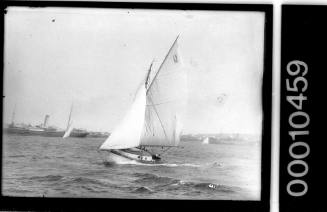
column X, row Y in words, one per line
column 163, row 102
column 159, row 118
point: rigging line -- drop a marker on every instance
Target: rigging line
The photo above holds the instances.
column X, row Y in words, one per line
column 147, row 150
column 147, row 128
column 148, row 75
column 159, row 119
column 165, row 150
column 162, row 102
column 155, row 76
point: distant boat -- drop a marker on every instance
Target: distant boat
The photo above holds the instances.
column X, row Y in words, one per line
column 98, row 134
column 42, row 129
column 70, row 131
column 153, row 120
column 38, row 130
column 14, row 128
column 78, row 133
column 69, row 127
column 45, row 130
column 205, row 141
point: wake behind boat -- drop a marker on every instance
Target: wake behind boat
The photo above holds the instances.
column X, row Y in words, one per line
column 152, row 125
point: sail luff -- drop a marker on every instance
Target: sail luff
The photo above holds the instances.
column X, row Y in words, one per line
column 155, row 76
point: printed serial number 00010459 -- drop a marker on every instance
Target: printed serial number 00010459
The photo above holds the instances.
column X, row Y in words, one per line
column 296, row 86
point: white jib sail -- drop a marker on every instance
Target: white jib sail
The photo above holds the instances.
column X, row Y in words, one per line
column 164, row 101
column 128, row 132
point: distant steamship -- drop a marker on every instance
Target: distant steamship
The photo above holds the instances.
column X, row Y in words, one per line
column 41, row 130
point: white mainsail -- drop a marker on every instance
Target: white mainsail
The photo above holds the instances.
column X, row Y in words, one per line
column 154, row 117
column 165, row 100
column 127, row 134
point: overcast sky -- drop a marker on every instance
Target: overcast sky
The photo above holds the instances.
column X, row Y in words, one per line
column 96, row 58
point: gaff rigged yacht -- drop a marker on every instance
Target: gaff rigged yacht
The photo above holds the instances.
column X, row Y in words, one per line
column 152, row 124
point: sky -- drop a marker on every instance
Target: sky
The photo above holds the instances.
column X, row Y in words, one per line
column 96, row 59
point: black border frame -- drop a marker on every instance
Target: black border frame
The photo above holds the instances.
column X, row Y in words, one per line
column 303, row 37
column 37, row 203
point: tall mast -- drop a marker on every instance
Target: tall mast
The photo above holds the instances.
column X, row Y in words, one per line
column 162, row 64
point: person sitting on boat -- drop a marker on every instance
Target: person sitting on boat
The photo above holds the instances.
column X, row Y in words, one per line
column 156, row 157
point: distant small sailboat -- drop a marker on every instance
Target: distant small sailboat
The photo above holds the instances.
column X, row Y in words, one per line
column 13, row 116
column 72, row 132
column 205, row 141
column 153, row 119
column 69, row 127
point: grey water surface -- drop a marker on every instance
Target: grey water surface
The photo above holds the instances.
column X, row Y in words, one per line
column 36, row 166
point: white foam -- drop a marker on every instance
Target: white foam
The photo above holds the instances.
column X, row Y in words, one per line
column 132, row 162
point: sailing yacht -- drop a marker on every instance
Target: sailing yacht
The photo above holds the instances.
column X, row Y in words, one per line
column 152, row 125
column 205, row 141
column 73, row 132
column 69, row 127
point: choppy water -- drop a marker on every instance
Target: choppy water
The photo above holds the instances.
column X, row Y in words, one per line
column 54, row 167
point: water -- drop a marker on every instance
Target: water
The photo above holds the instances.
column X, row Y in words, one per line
column 56, row 167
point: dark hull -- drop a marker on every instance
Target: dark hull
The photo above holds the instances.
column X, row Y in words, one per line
column 35, row 133
column 79, row 134
column 45, row 133
column 52, row 134
column 16, row 131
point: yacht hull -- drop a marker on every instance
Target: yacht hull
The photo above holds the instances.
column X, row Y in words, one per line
column 127, row 156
